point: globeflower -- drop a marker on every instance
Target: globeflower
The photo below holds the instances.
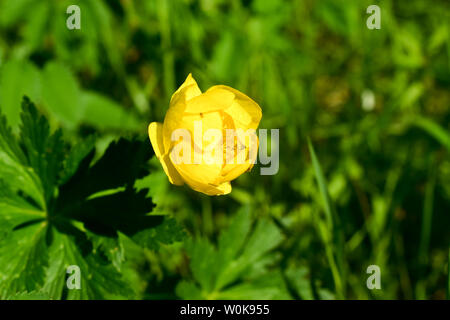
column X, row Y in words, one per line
column 207, row 139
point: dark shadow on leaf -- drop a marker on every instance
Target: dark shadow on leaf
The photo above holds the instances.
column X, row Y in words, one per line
column 124, row 209
column 28, row 223
column 123, row 162
column 79, row 237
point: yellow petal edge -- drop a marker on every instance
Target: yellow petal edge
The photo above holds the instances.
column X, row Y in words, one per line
column 156, row 138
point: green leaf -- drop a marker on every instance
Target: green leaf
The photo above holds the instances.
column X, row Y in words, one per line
column 112, row 248
column 17, row 78
column 99, row 280
column 33, row 295
column 159, row 189
column 58, row 210
column 320, row 178
column 61, row 94
column 239, row 250
column 15, row 209
column 203, row 263
column 23, row 259
column 265, row 237
column 13, row 168
column 11, row 11
column 103, row 113
column 8, row 144
column 165, row 231
column 103, row 201
column 189, row 290
column 45, row 151
column 35, row 28
column 233, row 238
column 330, row 230
column 270, row 286
column 55, row 279
column 111, row 171
column 299, row 278
column 433, row 129
column 78, row 153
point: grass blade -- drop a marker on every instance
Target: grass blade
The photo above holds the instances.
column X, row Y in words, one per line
column 330, row 231
column 327, row 206
column 434, row 130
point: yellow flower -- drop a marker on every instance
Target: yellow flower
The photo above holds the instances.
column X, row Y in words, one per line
column 209, row 162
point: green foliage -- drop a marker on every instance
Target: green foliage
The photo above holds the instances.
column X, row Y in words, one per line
column 74, row 212
column 58, row 90
column 364, row 150
column 242, row 253
column 329, row 229
column 16, row 80
column 34, row 295
column 61, row 94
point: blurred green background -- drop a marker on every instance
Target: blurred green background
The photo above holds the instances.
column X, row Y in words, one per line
column 374, row 103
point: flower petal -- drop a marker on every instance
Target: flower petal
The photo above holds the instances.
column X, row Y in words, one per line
column 200, row 177
column 225, row 188
column 234, row 171
column 214, row 99
column 245, row 112
column 222, row 189
column 210, row 189
column 198, row 173
column 188, row 90
column 210, row 120
column 156, row 138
